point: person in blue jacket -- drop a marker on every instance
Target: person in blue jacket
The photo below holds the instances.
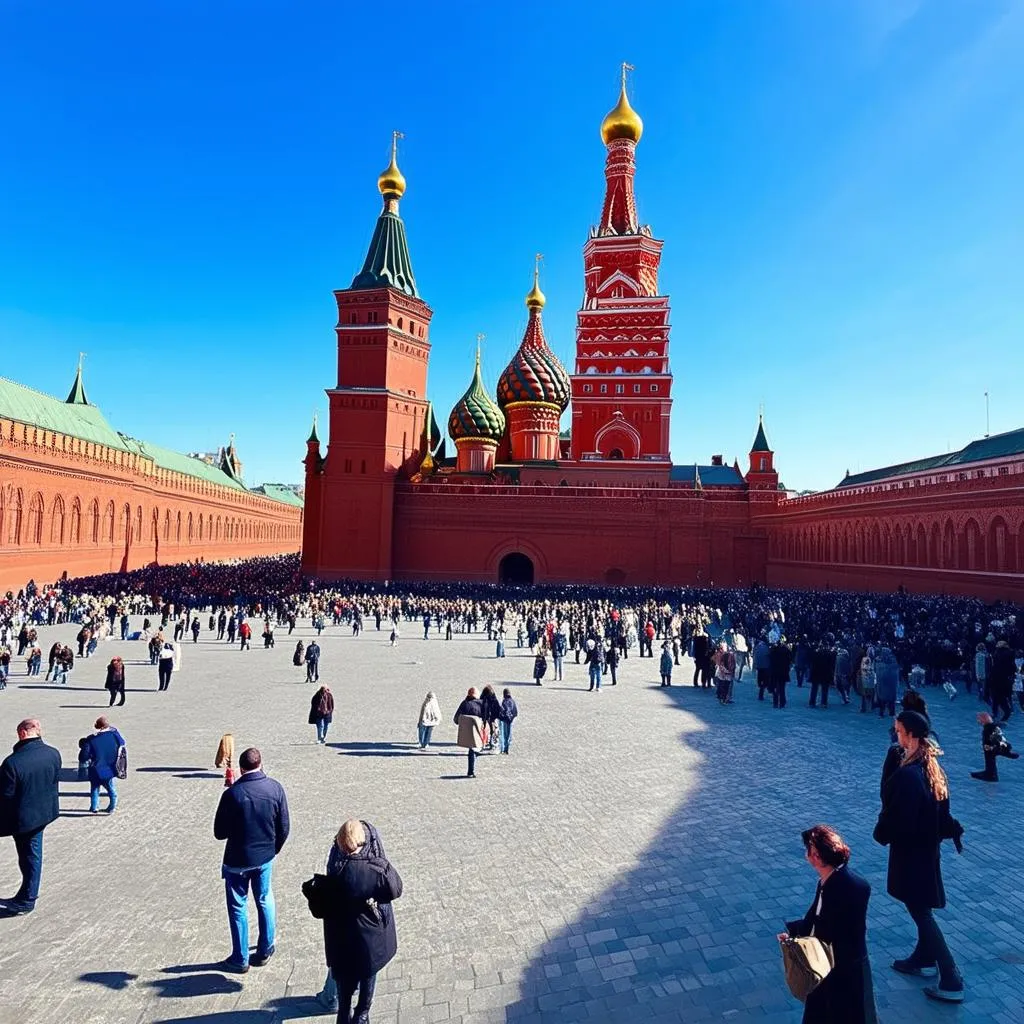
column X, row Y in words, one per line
column 100, row 752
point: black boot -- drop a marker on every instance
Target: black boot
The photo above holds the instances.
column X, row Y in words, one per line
column 990, row 774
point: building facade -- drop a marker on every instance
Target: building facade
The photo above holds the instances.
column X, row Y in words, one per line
column 77, row 497
column 522, row 501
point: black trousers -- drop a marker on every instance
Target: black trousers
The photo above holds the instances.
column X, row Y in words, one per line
column 114, row 693
column 1001, row 701
column 472, row 762
column 164, row 671
column 347, row 989
column 814, row 693
column 931, row 946
column 779, row 693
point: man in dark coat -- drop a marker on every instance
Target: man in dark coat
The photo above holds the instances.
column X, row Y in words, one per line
column 822, row 669
column 253, row 817
column 28, row 803
column 1001, row 682
column 313, row 662
column 838, row 917
column 359, row 938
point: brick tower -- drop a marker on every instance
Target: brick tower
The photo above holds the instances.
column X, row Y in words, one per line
column 379, row 407
column 622, row 387
column 762, row 475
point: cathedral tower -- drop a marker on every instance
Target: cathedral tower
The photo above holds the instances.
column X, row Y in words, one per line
column 622, row 386
column 534, row 389
column 379, row 406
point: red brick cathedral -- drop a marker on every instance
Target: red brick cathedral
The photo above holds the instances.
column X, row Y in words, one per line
column 522, row 501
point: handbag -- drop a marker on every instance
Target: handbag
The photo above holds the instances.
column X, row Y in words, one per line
column 121, row 762
column 806, row 963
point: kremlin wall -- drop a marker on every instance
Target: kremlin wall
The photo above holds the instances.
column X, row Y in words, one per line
column 521, row 500
column 77, row 497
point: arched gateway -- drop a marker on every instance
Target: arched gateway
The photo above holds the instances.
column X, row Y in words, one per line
column 515, row 568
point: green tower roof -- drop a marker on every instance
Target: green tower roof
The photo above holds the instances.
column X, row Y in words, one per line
column 387, row 263
column 77, row 394
column 760, row 441
column 476, row 414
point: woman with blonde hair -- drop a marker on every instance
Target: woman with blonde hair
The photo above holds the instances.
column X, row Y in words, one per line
column 913, row 822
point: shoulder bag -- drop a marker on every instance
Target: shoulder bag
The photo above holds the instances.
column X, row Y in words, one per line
column 806, row 962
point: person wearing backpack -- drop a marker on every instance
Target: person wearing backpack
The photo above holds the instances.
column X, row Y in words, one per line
column 507, row 714
column 321, row 712
column 354, row 901
column 101, row 751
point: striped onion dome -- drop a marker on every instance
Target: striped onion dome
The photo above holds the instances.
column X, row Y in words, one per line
column 535, row 373
column 475, row 413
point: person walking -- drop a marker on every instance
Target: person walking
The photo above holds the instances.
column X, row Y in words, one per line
column 299, row 655
column 492, row 709
column 822, row 670
column 595, row 659
column 313, row 662
column 913, row 822
column 321, row 712
column 469, row 717
column 506, row 716
column 252, row 817
column 839, row 918
column 559, row 649
column 430, row 715
column 101, row 753
column 540, row 665
column 28, row 803
column 354, row 899
column 993, row 744
column 115, row 680
column 665, row 665
column 780, row 658
column 244, row 636
column 866, row 681
column 196, row 627
column 165, row 666
column 1000, row 686
column 887, row 675
column 725, row 671
column 499, row 645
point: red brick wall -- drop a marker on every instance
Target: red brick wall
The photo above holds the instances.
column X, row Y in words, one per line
column 71, row 506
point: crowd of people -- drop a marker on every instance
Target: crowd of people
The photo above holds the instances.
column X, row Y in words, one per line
column 881, row 653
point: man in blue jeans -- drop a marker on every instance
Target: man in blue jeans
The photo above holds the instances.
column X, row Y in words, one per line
column 253, row 817
column 28, row 803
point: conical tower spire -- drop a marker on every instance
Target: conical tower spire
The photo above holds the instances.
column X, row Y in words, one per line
column 314, row 437
column 77, row 394
column 387, row 263
column 760, row 440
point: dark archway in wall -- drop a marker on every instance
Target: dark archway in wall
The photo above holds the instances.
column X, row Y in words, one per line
column 616, row 454
column 515, row 568
column 615, row 577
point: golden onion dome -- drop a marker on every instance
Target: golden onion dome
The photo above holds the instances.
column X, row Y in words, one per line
column 535, row 298
column 391, row 181
column 622, row 121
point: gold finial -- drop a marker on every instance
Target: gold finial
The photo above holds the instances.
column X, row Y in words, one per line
column 391, row 182
column 622, row 122
column 535, row 299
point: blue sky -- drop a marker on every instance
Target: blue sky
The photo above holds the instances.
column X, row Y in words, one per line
column 183, row 184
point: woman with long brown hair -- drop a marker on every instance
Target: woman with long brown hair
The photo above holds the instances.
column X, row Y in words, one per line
column 913, row 822
column 115, row 680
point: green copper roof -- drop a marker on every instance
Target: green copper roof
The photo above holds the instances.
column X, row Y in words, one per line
column 760, row 441
column 314, row 437
column 387, row 263
column 77, row 394
column 476, row 414
column 999, row 446
column 279, row 492
column 75, row 419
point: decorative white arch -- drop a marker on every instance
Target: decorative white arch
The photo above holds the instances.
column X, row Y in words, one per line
column 619, row 424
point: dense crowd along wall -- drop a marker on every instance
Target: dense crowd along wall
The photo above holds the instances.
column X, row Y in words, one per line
column 81, row 507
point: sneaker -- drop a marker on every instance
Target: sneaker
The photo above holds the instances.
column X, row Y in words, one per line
column 946, row 995
column 261, row 958
column 915, row 970
column 230, row 966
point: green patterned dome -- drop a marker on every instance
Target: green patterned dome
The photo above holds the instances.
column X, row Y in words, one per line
column 475, row 413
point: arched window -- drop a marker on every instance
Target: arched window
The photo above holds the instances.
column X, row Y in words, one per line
column 154, row 534
column 76, row 522
column 997, row 559
column 35, row 520
column 167, row 525
column 57, row 521
column 177, row 530
column 108, row 523
column 188, row 536
column 200, row 526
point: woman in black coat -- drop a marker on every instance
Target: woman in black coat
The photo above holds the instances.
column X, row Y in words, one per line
column 913, row 822
column 838, row 917
column 359, row 936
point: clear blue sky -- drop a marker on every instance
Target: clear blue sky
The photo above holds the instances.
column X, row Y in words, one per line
column 183, row 183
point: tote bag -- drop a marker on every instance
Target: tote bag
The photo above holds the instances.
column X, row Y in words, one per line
column 806, row 962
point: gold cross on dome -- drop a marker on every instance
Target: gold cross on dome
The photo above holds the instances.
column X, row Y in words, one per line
column 626, row 67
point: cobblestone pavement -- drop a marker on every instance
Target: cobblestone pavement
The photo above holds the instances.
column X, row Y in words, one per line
column 631, row 860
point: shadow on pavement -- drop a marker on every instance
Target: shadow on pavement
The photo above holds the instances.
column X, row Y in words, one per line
column 109, row 979
column 194, row 980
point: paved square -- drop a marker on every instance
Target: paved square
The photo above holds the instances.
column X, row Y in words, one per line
column 630, row 861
